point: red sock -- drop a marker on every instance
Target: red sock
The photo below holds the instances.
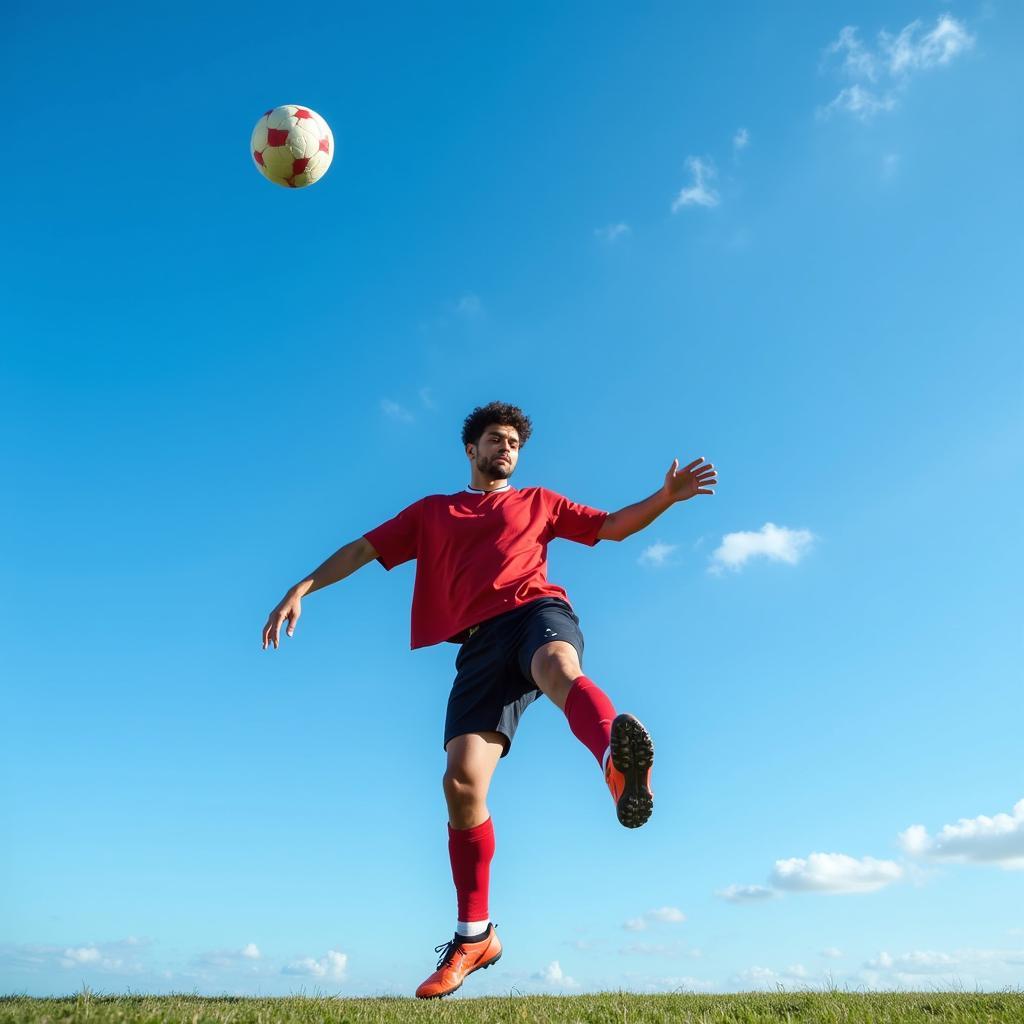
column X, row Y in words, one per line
column 471, row 850
column 590, row 715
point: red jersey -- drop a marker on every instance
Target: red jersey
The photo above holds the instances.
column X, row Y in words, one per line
column 479, row 554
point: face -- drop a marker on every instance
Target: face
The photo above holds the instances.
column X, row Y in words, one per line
column 497, row 452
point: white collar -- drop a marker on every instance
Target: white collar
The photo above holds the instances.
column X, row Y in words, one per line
column 504, row 487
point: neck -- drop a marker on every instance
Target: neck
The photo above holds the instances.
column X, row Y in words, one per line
column 478, row 483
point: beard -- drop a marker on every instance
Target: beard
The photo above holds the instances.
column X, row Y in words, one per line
column 493, row 469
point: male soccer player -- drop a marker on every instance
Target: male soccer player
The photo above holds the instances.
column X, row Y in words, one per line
column 481, row 582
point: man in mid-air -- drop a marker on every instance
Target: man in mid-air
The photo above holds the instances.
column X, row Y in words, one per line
column 481, row 582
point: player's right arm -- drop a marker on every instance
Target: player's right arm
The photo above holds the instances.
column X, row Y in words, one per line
column 342, row 563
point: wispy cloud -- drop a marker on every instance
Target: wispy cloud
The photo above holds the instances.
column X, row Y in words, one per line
column 746, row 893
column 834, row 873
column 776, row 543
column 611, row 232
column 228, row 958
column 331, row 966
column 469, row 305
column 983, row 840
column 740, row 140
column 119, row 957
column 831, row 953
column 700, row 193
column 427, row 398
column 862, row 103
column 665, row 915
column 676, row 949
column 880, row 74
column 656, row 554
column 395, row 411
column 988, row 967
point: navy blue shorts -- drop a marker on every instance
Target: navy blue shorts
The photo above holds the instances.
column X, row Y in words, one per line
column 493, row 685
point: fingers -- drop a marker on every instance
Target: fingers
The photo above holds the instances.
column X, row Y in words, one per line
column 293, row 617
column 686, row 469
column 272, row 630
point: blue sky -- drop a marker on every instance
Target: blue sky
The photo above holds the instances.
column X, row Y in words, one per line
column 786, row 240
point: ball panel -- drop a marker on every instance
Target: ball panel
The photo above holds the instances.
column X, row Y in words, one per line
column 282, row 117
column 278, row 161
column 304, row 143
column 259, row 135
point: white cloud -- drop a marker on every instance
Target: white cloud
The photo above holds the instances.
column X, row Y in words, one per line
column 834, row 872
column 395, row 411
column 910, row 51
column 656, row 554
column 758, row 977
column 983, row 840
column 610, row 232
column 83, row 955
column 554, row 975
column 228, row 958
column 427, row 398
column 469, row 305
column 666, row 915
column 857, row 61
column 831, row 953
column 860, row 102
column 980, row 968
column 331, row 965
column 117, row 957
column 888, row 68
column 740, row 140
column 913, row 963
column 700, row 193
column 777, row 543
column 746, row 893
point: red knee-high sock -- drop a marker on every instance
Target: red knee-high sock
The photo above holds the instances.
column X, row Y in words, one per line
column 590, row 715
column 471, row 850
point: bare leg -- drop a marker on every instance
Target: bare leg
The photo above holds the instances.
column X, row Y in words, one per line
column 472, row 759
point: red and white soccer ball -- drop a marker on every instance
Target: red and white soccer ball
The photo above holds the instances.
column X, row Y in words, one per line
column 292, row 146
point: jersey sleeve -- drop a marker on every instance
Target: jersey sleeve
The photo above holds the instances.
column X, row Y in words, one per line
column 573, row 521
column 396, row 540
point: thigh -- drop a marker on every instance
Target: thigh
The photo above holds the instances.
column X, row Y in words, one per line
column 551, row 621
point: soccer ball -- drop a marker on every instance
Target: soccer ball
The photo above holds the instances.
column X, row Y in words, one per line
column 292, row 146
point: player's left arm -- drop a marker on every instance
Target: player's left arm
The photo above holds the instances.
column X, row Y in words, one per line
column 680, row 484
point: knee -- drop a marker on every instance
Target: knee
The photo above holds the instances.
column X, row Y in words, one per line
column 459, row 790
column 555, row 667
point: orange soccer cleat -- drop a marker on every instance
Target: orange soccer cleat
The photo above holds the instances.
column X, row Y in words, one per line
column 459, row 958
column 628, row 771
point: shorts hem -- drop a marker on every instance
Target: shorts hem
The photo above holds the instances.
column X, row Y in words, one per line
column 463, row 731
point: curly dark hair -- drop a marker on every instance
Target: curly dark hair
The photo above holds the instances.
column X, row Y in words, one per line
column 500, row 413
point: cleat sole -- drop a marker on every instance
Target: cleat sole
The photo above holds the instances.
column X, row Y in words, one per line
column 633, row 755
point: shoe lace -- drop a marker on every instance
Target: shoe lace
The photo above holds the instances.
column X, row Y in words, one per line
column 447, row 951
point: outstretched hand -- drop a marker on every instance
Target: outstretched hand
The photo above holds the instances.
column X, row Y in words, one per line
column 288, row 611
column 695, row 478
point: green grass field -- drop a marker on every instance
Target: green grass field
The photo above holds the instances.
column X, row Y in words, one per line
column 604, row 1008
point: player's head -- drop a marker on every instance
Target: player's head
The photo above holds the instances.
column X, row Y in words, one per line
column 492, row 435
